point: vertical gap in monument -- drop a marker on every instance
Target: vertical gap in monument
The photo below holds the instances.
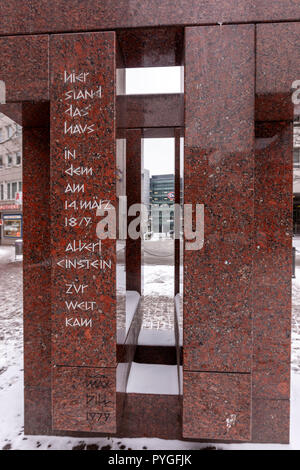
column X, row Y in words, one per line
column 150, row 117
column 158, row 247
column 154, row 370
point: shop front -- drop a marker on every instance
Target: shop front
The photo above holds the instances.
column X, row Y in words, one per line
column 11, row 223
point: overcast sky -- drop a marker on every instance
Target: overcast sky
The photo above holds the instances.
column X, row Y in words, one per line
column 153, row 80
column 159, row 156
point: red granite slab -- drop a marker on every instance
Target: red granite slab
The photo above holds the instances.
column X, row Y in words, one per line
column 36, row 278
column 24, row 67
column 83, row 171
column 216, row 406
column 159, row 111
column 138, row 415
column 28, row 114
column 270, row 421
column 15, row 17
column 278, row 66
column 37, row 324
column 36, row 254
column 74, row 15
column 229, row 95
column 84, row 399
column 83, row 334
column 134, row 195
column 271, row 379
column 149, row 415
column 37, row 411
column 178, row 243
column 218, row 172
column 272, row 264
column 36, row 114
column 160, row 47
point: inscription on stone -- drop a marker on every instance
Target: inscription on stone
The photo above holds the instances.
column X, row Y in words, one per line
column 90, row 391
column 83, row 267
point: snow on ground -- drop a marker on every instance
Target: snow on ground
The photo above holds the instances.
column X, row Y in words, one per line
column 140, row 379
column 159, row 280
column 7, row 255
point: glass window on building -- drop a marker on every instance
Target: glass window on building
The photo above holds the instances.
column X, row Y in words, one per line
column 9, row 130
column 18, row 158
column 9, row 160
column 12, row 226
column 1, row 162
column 8, row 190
column 1, row 135
column 20, row 186
column 2, row 192
column 296, row 218
column 14, row 189
column 296, row 157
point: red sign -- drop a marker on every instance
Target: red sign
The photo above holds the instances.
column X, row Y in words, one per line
column 19, row 198
column 9, row 207
column 171, row 196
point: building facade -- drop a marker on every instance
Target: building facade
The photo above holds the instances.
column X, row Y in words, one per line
column 146, row 187
column 10, row 180
column 162, row 189
column 162, row 197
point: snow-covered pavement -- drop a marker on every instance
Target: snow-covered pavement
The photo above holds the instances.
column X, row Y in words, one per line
column 11, row 371
column 7, row 254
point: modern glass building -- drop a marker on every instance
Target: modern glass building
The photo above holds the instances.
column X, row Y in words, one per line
column 162, row 194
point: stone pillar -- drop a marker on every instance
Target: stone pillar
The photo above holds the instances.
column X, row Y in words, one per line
column 37, row 278
column 271, row 286
column 134, row 196
column 218, row 172
column 83, row 179
column 278, row 59
column 177, row 133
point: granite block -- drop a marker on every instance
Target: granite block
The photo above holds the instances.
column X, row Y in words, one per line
column 217, row 406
